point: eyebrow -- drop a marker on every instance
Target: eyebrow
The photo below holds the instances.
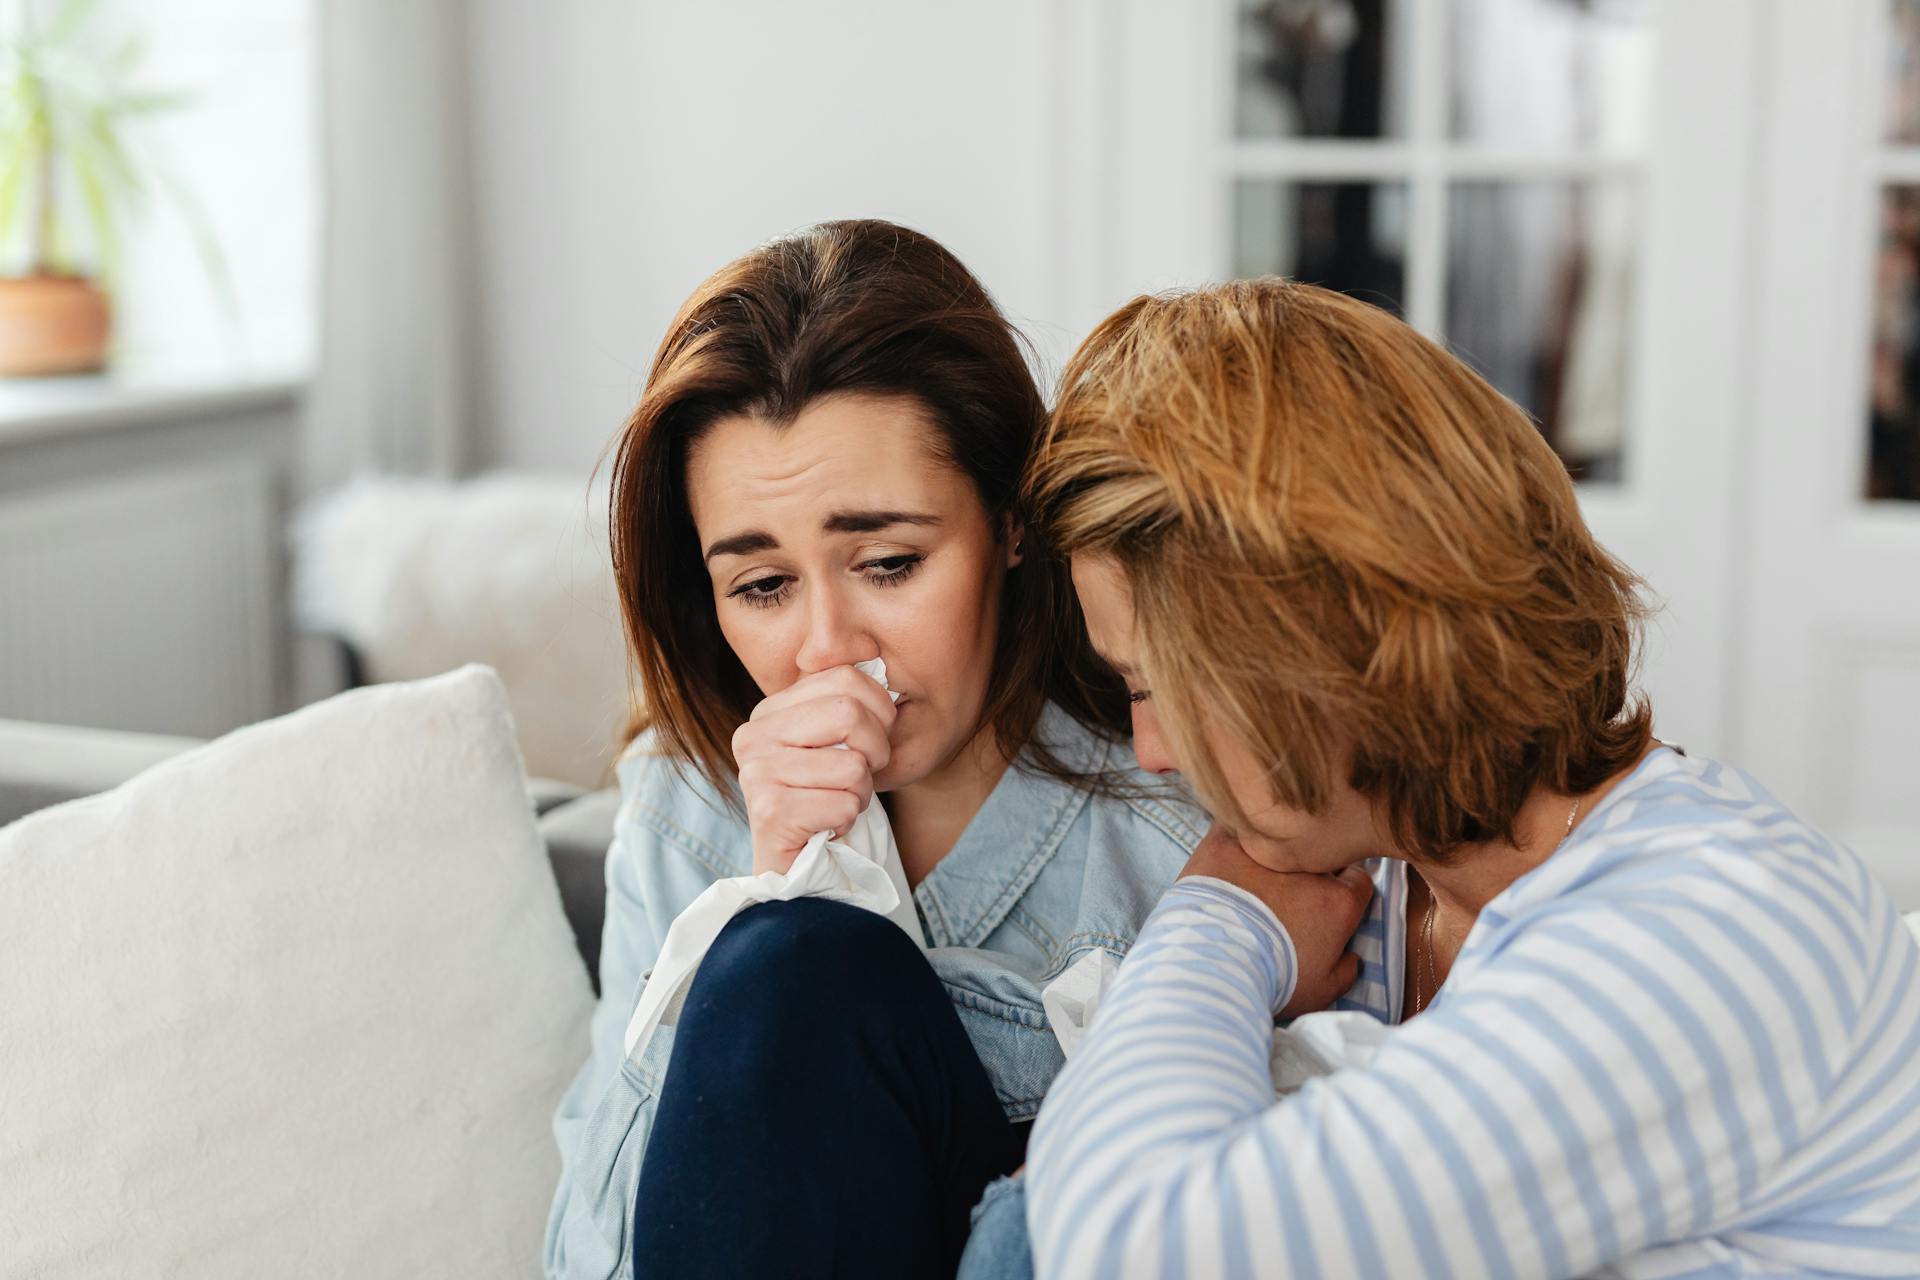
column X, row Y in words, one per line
column 753, row 540
column 874, row 521
column 742, row 544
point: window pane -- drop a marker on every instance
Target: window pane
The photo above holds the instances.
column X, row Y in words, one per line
column 1893, row 413
column 1318, row 69
column 1903, row 71
column 1540, row 284
column 1552, row 73
column 1350, row 236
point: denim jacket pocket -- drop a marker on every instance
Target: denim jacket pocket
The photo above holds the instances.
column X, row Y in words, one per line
column 1016, row 1046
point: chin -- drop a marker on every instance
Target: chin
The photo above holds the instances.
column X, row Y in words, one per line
column 1288, row 857
column 1275, row 860
column 1277, row 854
column 903, row 770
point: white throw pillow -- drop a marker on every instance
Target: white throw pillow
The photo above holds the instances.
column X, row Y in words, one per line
column 298, row 1002
column 510, row 569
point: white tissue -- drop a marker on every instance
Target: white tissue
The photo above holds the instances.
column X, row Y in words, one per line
column 1319, row 1044
column 1314, row 1044
column 863, row 869
column 1071, row 998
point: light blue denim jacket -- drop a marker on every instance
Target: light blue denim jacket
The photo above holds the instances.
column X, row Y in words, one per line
column 1043, row 874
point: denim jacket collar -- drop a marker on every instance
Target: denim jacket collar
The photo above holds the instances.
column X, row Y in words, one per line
column 1007, row 844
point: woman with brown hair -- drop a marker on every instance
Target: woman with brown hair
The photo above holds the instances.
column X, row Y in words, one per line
column 1651, row 1022
column 824, row 469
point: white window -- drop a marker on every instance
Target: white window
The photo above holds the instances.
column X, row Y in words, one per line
column 1473, row 166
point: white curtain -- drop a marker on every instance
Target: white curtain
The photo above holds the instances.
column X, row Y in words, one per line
column 393, row 390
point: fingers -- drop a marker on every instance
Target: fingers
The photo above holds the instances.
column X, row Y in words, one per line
column 786, row 819
column 794, row 782
column 1346, row 973
column 838, row 682
column 1359, row 890
column 1356, row 879
column 1318, row 989
column 804, row 769
column 820, row 722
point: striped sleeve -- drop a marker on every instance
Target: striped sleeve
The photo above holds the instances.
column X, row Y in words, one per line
column 1623, row 1071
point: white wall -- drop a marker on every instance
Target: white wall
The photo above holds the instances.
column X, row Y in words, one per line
column 246, row 149
column 624, row 152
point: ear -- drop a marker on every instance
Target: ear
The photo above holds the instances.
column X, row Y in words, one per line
column 1016, row 542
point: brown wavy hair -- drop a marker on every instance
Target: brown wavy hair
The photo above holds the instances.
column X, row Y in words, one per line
column 1335, row 531
column 853, row 306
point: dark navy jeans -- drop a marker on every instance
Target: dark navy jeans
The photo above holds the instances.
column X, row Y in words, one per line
column 822, row 1114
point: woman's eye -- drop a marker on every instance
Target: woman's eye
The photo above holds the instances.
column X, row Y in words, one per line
column 891, row 570
column 1138, row 696
column 762, row 593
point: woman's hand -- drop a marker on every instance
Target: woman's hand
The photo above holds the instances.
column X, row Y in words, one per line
column 1319, row 912
column 793, row 777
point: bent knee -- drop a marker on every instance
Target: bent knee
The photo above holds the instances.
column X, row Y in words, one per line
column 777, row 952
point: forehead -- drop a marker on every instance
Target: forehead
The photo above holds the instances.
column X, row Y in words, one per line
column 874, row 450
column 1107, row 602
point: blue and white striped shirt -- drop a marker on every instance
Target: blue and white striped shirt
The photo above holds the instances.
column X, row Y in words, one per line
column 1688, row 1044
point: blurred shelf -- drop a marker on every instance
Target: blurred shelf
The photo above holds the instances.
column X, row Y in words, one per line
column 38, row 408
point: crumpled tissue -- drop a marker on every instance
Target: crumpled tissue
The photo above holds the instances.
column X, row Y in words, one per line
column 1314, row 1044
column 863, row 869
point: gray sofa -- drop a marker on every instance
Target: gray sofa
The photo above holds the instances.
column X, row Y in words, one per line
column 42, row 764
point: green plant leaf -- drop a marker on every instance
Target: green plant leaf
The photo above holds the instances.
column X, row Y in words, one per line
column 126, row 57
column 146, row 104
column 68, row 19
column 207, row 244
column 70, row 177
column 99, row 206
column 12, row 180
column 113, row 156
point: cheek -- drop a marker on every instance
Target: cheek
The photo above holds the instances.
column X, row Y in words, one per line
column 1246, row 779
column 1288, row 839
column 762, row 643
column 944, row 635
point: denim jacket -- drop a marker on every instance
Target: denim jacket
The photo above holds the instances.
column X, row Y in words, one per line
column 1043, row 874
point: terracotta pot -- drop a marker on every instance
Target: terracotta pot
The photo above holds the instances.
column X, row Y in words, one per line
column 52, row 324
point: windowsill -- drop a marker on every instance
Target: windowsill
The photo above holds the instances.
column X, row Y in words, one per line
column 39, row 408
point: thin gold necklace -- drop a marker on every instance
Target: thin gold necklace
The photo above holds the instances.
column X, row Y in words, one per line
column 1423, row 973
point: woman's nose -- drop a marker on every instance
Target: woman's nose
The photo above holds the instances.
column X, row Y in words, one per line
column 1149, row 748
column 834, row 637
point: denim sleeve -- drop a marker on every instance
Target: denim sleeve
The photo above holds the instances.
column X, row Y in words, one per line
column 603, row 1120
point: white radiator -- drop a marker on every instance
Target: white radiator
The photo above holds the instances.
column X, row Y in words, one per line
column 147, row 602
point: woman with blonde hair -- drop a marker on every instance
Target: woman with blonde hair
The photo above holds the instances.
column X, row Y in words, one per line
column 1650, row 1023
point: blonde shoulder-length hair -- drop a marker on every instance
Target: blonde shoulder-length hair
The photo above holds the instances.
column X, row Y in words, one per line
column 1337, row 534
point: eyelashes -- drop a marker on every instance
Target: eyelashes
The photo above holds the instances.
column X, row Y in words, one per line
column 773, row 590
column 763, row 593
column 893, row 570
column 1138, row 696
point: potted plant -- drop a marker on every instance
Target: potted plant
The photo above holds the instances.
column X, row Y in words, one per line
column 67, row 179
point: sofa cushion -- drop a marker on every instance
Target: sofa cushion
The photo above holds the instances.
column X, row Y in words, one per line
column 577, row 836
column 299, row 1000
